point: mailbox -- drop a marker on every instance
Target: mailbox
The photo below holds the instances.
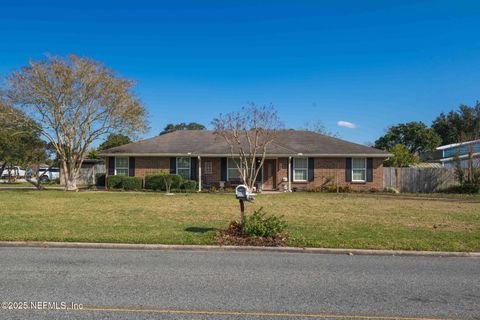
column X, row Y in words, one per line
column 242, row 193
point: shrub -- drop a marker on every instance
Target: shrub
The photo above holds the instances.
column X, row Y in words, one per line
column 172, row 181
column 132, row 183
column 100, row 179
column 176, row 181
column 189, row 185
column 157, row 181
column 465, row 188
column 125, row 183
column 346, row 188
column 469, row 177
column 390, row 190
column 260, row 225
column 331, row 188
column 114, row 182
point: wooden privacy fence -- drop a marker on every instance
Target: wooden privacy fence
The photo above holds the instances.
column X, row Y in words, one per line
column 419, row 179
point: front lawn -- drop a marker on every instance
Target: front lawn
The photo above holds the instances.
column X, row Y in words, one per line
column 315, row 219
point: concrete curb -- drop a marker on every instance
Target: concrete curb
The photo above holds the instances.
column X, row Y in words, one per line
column 167, row 247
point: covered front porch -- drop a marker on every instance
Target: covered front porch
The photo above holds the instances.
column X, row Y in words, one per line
column 275, row 174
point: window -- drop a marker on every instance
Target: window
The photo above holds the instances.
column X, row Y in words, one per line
column 183, row 167
column 359, row 169
column 208, row 167
column 232, row 170
column 121, row 166
column 300, row 169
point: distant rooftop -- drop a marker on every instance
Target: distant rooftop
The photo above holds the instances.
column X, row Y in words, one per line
column 458, row 144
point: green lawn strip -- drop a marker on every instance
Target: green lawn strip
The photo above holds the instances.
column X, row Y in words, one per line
column 315, row 219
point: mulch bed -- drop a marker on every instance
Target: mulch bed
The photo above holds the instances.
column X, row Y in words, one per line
column 233, row 236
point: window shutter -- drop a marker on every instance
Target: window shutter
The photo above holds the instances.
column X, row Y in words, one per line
column 348, row 169
column 111, row 166
column 173, row 165
column 131, row 166
column 223, row 169
column 369, row 169
column 260, row 173
column 311, row 171
column 193, row 169
column 290, row 167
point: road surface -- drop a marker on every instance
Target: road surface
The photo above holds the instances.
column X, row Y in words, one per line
column 136, row 284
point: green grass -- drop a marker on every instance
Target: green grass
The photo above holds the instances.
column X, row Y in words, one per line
column 26, row 184
column 314, row 219
column 23, row 184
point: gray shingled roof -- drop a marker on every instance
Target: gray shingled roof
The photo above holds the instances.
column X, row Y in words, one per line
column 206, row 143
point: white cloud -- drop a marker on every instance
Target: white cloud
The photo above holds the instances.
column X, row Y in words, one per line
column 346, row 124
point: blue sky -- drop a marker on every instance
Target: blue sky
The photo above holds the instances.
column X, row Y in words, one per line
column 371, row 63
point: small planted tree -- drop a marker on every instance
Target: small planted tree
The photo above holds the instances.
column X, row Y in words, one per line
column 168, row 179
column 469, row 175
column 75, row 101
column 402, row 157
column 248, row 132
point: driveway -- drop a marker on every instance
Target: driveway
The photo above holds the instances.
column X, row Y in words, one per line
column 136, row 284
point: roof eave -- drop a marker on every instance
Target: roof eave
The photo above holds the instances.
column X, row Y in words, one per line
column 452, row 145
column 324, row 155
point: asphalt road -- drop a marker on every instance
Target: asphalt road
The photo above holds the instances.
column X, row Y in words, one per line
column 135, row 284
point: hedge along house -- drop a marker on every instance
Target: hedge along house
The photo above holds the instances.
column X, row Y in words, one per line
column 295, row 160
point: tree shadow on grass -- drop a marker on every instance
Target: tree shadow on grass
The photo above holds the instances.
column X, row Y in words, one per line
column 200, row 229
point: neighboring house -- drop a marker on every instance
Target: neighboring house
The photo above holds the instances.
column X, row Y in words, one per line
column 88, row 170
column 462, row 150
column 296, row 160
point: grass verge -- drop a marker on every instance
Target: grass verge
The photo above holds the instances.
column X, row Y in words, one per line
column 365, row 221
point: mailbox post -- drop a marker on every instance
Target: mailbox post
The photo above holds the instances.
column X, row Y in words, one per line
column 243, row 194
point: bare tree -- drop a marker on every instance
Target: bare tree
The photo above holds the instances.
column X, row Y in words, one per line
column 75, row 101
column 248, row 132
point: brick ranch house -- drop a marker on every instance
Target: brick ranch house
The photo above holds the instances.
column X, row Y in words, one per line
column 296, row 160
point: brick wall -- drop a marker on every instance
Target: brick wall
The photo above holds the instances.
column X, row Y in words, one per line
column 326, row 171
column 330, row 170
column 216, row 175
column 151, row 165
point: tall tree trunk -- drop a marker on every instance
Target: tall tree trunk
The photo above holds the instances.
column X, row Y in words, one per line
column 71, row 184
column 70, row 173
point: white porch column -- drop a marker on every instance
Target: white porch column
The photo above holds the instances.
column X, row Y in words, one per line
column 289, row 174
column 199, row 174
